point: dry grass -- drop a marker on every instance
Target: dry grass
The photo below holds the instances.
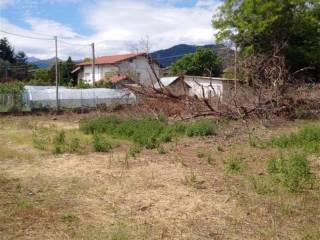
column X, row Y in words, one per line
column 176, row 195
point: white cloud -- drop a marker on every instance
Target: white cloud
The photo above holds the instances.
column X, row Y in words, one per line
column 118, row 24
column 165, row 24
column 5, row 3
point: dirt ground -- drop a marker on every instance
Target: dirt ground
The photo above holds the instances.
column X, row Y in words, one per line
column 176, row 195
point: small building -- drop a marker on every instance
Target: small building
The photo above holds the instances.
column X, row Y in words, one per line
column 140, row 68
column 208, row 87
column 176, row 85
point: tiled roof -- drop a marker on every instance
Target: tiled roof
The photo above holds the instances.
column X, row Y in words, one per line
column 112, row 59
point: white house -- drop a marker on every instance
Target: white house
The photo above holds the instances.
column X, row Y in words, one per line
column 206, row 87
column 136, row 67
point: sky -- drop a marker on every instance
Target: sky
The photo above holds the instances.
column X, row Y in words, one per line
column 115, row 26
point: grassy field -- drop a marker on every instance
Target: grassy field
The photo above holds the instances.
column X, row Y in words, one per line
column 153, row 180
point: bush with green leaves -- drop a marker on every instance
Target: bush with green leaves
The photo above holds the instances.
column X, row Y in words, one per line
column 13, row 87
column 293, row 171
column 308, row 139
column 147, row 132
column 59, row 143
column 101, row 144
column 201, row 128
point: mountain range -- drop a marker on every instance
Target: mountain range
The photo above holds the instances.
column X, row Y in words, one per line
column 165, row 57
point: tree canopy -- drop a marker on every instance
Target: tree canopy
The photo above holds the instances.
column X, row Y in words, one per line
column 204, row 62
column 66, row 78
column 6, row 51
column 257, row 26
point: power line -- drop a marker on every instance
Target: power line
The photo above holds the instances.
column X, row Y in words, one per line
column 25, row 36
column 74, row 44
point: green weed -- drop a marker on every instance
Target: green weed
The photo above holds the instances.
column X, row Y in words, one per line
column 148, row 132
column 234, row 165
column 69, row 218
column 101, row 144
column 256, row 142
column 293, row 171
column 307, row 139
column 201, row 128
column 134, row 150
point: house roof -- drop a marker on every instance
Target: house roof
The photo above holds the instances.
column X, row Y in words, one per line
column 112, row 59
column 195, row 78
column 167, row 81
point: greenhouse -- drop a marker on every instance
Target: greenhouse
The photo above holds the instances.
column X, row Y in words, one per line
column 44, row 97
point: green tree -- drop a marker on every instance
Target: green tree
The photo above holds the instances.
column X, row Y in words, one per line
column 204, row 62
column 66, row 77
column 257, row 26
column 21, row 58
column 6, row 51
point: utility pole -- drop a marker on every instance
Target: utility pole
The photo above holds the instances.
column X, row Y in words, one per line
column 6, row 72
column 93, row 65
column 57, row 78
column 235, row 68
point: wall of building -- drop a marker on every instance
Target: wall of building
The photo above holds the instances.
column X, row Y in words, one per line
column 100, row 72
column 179, row 88
column 211, row 88
column 138, row 69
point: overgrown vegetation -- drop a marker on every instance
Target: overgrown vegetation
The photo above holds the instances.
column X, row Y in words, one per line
column 13, row 87
column 273, row 29
column 293, row 171
column 307, row 139
column 147, row 131
column 59, row 142
column 101, row 143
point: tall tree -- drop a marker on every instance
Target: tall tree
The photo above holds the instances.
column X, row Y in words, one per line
column 66, row 77
column 257, row 26
column 21, row 58
column 6, row 51
column 204, row 62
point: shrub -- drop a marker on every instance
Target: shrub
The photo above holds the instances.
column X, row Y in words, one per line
column 59, row 143
column 13, row 87
column 148, row 132
column 74, row 145
column 166, row 136
column 101, row 144
column 201, row 128
column 294, row 171
column 99, row 125
column 234, row 165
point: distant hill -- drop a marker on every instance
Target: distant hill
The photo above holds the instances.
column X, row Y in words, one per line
column 166, row 57
column 45, row 63
column 32, row 59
